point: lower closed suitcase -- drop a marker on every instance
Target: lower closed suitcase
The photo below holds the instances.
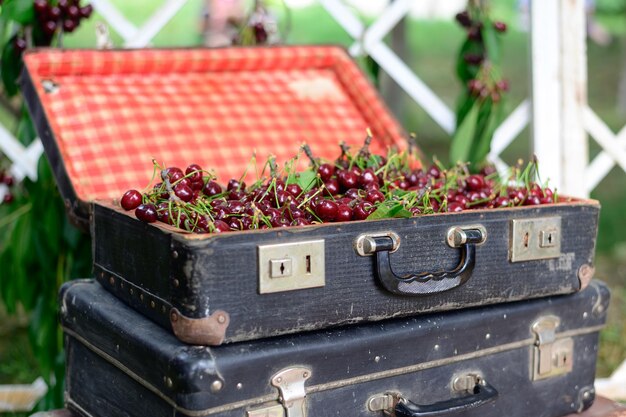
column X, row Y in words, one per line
column 533, row 358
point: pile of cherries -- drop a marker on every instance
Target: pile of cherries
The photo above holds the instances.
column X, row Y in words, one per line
column 353, row 187
column 53, row 16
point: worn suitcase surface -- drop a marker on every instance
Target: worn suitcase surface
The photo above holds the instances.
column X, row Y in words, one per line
column 104, row 115
column 533, row 358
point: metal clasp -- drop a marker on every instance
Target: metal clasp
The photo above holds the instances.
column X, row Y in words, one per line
column 290, row 383
column 551, row 356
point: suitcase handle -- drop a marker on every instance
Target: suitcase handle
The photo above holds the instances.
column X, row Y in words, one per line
column 482, row 394
column 423, row 283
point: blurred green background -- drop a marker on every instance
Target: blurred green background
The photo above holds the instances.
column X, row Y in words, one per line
column 431, row 47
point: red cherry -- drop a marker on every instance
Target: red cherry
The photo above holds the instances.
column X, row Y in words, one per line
column 300, row 222
column 40, row 6
column 325, row 171
column 502, row 201
column 69, row 25
column 375, row 196
column 19, row 45
column 293, row 189
column 73, row 12
column 8, row 180
column 50, row 27
column 183, row 192
column 326, row 210
column 455, row 207
column 197, row 185
column 54, row 13
column 8, row 198
column 172, row 173
column 146, row 213
column 212, row 188
column 434, row 171
column 344, row 213
column 532, row 200
column 362, row 210
column 475, row 182
column 131, row 200
column 499, row 26
column 347, row 179
column 86, row 11
column 332, row 186
column 221, row 226
column 233, row 184
column 196, row 173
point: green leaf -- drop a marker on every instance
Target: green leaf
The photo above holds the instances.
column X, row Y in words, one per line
column 306, row 180
column 492, row 45
column 22, row 11
column 483, row 141
column 388, row 210
column 464, row 136
column 464, row 71
column 465, row 105
column 10, row 68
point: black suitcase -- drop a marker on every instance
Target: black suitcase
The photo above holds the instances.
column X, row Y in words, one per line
column 535, row 358
column 102, row 116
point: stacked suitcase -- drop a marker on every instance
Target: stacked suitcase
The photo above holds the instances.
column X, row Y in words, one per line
column 480, row 313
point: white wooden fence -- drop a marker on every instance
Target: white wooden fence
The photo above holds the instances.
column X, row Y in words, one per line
column 558, row 106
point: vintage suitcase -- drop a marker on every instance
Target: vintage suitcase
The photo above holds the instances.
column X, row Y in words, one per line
column 103, row 115
column 532, row 358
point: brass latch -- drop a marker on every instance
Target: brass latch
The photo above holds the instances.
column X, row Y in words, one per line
column 551, row 356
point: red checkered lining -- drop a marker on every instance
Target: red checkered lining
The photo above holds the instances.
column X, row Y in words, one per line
column 112, row 112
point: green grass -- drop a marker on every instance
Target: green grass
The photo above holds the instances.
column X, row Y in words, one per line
column 432, row 47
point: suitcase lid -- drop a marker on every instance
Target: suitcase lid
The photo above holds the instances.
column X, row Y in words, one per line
column 104, row 115
column 184, row 375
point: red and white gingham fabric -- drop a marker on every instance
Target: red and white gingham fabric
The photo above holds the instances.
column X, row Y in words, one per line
column 114, row 111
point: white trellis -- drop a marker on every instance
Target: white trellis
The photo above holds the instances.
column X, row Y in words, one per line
column 558, row 106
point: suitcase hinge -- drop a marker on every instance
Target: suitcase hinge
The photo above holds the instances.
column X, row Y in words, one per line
column 551, row 356
column 290, row 383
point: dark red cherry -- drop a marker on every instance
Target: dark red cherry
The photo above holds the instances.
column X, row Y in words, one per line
column 212, row 188
column 183, row 192
column 50, row 27
column 86, row 11
column 375, row 196
column 194, row 173
column 455, row 207
column 475, row 182
column 326, row 210
column 326, row 171
column 362, row 210
column 344, row 213
column 367, row 177
column 221, row 226
column 146, row 213
column 131, row 200
column 293, row 189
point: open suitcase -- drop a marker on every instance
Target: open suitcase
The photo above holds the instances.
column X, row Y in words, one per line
column 532, row 358
column 103, row 116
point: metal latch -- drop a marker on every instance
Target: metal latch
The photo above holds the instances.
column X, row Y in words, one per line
column 551, row 356
column 290, row 383
column 535, row 239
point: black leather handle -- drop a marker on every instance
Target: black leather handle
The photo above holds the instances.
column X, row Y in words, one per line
column 425, row 283
column 482, row 394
